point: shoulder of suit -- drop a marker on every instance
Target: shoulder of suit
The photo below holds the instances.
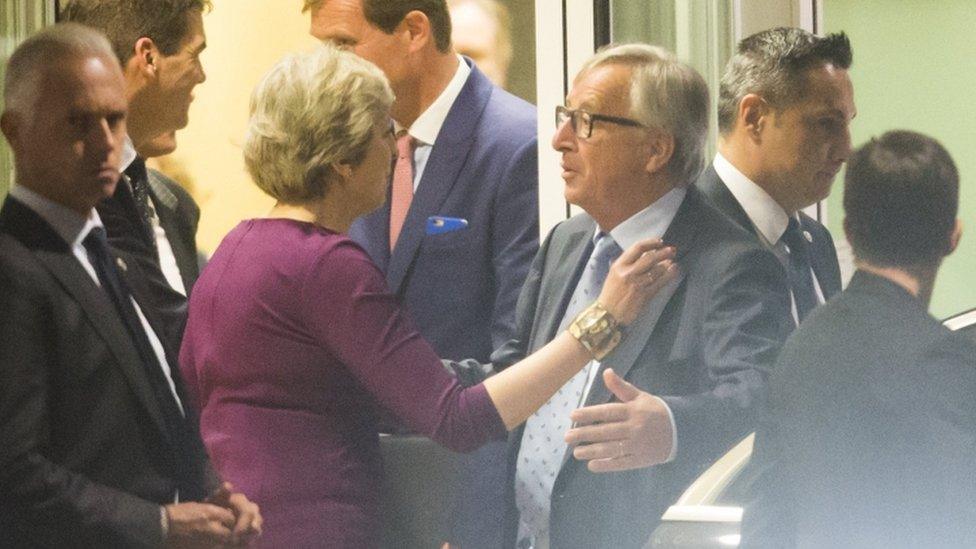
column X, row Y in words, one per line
column 169, row 183
column 180, row 194
column 19, row 267
column 510, row 113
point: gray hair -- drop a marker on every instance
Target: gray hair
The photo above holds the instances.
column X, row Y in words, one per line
column 309, row 111
column 773, row 64
column 668, row 95
column 45, row 49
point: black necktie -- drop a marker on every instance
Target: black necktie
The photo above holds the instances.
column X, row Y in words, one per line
column 139, row 179
column 114, row 285
column 800, row 277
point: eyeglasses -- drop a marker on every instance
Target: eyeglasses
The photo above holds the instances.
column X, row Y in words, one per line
column 582, row 121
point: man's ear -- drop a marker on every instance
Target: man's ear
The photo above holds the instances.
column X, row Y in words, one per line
column 416, row 30
column 143, row 60
column 8, row 125
column 660, row 148
column 955, row 236
column 753, row 115
column 342, row 169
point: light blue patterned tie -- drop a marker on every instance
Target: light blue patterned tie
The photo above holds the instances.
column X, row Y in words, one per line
column 542, row 448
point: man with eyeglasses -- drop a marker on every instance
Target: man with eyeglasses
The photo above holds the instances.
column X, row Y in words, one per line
column 632, row 138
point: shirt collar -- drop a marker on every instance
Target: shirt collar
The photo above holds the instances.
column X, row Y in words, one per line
column 128, row 153
column 67, row 223
column 426, row 127
column 651, row 222
column 765, row 213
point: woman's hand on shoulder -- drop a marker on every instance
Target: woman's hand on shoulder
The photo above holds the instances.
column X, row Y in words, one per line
column 636, row 277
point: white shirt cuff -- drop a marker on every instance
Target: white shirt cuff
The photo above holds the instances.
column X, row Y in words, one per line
column 674, row 431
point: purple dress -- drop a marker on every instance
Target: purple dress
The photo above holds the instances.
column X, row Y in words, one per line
column 293, row 341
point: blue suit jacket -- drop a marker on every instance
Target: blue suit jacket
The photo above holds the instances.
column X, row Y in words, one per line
column 461, row 287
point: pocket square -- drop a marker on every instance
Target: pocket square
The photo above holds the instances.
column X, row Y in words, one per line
column 439, row 225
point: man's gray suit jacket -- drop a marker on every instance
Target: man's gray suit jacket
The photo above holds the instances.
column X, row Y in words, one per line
column 703, row 344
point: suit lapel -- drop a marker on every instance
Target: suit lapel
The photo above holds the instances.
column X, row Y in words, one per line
column 680, row 234
column 712, row 186
column 447, row 157
column 823, row 257
column 53, row 253
column 567, row 258
column 166, row 204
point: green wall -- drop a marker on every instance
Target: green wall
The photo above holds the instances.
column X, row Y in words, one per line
column 915, row 68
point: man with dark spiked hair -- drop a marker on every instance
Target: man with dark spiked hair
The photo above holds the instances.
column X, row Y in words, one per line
column 784, row 109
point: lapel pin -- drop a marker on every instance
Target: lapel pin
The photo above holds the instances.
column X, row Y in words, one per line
column 121, row 264
column 808, row 236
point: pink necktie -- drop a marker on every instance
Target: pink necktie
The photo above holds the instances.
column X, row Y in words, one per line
column 402, row 192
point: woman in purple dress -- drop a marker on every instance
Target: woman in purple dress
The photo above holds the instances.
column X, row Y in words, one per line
column 294, row 342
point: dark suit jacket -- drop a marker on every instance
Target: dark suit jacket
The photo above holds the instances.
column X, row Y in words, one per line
column 703, row 345
column 871, row 436
column 823, row 255
column 85, row 457
column 178, row 216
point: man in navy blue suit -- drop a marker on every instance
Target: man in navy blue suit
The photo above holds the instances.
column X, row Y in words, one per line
column 785, row 106
column 461, row 228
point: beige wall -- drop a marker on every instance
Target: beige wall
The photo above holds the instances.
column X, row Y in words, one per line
column 244, row 38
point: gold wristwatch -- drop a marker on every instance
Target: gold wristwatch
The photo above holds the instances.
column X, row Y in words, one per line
column 596, row 329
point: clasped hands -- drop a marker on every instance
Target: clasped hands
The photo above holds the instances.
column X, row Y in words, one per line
column 225, row 519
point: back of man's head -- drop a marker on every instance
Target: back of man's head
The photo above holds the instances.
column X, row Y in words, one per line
column 901, row 196
column 772, row 64
column 124, row 22
column 387, row 14
column 44, row 51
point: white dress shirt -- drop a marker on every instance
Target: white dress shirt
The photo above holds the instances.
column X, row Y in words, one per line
column 73, row 229
column 167, row 260
column 428, row 125
column 767, row 216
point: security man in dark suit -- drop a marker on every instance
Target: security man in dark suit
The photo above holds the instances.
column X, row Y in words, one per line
column 872, row 428
column 785, row 105
column 97, row 448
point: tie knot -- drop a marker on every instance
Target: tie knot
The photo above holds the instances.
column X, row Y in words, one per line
column 137, row 171
column 795, row 237
column 606, row 248
column 404, row 144
column 96, row 237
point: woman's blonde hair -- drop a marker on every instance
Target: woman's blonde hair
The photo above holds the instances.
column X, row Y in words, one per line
column 312, row 110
